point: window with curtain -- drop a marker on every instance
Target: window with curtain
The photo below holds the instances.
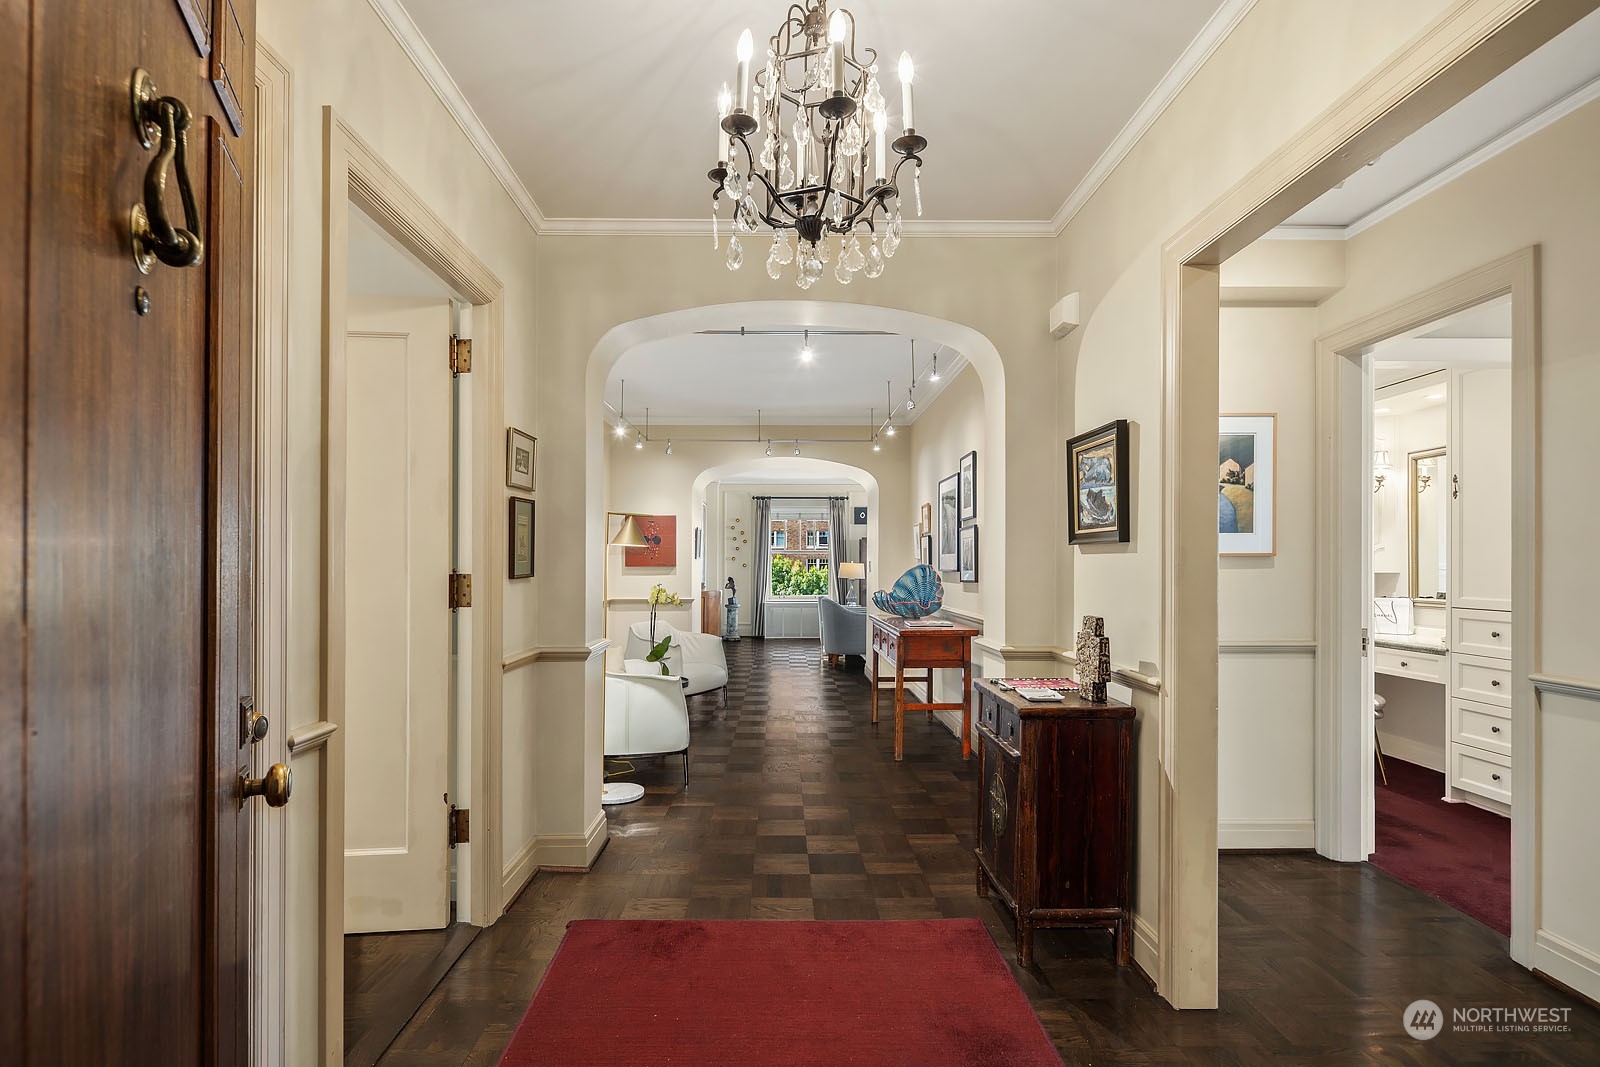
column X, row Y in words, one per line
column 801, row 564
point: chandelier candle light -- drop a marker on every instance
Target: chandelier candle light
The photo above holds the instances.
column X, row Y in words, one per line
column 817, row 110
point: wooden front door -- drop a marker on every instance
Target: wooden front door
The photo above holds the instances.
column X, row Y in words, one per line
column 126, row 539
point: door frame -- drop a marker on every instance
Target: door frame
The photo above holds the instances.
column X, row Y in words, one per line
column 1458, row 52
column 355, row 174
column 1344, row 755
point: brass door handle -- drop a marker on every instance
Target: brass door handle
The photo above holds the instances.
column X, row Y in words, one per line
column 162, row 122
column 997, row 804
column 274, row 787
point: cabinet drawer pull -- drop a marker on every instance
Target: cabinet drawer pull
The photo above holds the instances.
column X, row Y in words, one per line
column 1496, row 777
column 1495, row 682
column 1403, row 663
column 1494, row 633
column 1494, row 729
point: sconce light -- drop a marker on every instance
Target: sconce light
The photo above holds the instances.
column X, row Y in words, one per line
column 1380, row 468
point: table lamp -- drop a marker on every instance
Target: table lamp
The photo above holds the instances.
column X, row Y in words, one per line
column 628, row 536
column 852, row 573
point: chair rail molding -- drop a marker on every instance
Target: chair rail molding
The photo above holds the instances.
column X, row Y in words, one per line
column 1583, row 689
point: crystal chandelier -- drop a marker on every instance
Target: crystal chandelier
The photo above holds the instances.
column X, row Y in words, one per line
column 818, row 115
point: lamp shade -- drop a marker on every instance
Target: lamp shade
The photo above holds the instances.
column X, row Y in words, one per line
column 852, row 571
column 629, row 536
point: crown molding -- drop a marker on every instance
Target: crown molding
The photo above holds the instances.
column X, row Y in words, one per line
column 400, row 25
column 1580, row 97
column 1205, row 43
column 702, row 228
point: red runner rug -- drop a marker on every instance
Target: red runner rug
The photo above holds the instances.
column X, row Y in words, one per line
column 1453, row 852
column 635, row 993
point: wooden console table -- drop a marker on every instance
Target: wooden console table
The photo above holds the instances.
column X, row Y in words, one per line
column 923, row 647
column 1055, row 813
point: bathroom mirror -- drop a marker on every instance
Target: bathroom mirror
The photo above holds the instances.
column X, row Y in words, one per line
column 1429, row 493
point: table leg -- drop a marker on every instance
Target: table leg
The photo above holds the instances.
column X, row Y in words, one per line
column 1024, row 942
column 966, row 709
column 874, row 686
column 899, row 708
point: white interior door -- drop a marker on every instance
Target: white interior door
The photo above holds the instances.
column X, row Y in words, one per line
column 397, row 636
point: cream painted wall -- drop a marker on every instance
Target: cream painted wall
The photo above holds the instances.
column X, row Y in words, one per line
column 1401, row 434
column 946, row 432
column 1541, row 192
column 1267, row 671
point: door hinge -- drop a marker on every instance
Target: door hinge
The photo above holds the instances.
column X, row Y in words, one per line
column 460, row 590
column 460, row 355
column 460, row 826
column 1363, row 640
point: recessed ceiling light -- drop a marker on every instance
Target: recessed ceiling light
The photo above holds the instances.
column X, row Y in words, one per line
column 1434, row 396
column 805, row 349
column 1380, row 411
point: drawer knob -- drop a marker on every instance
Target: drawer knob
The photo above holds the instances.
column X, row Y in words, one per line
column 1496, row 777
column 1495, row 682
column 1494, row 729
column 1403, row 663
column 1494, row 633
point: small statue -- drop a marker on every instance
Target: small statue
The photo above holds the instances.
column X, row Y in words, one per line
column 1094, row 660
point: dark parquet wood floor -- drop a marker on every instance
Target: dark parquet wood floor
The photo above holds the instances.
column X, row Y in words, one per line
column 798, row 811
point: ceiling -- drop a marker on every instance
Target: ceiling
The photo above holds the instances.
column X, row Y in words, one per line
column 1557, row 78
column 721, row 379
column 605, row 110
column 1476, row 335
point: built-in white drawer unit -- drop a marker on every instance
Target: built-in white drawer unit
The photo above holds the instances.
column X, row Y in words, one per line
column 1475, row 632
column 1479, row 678
column 1480, row 726
column 1487, row 774
column 1425, row 666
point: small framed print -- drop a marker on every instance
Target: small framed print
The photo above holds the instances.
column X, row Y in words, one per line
column 927, row 517
column 925, row 553
column 519, row 538
column 949, row 521
column 1247, row 448
column 520, row 457
column 969, row 487
column 697, row 542
column 1097, row 485
column 968, row 554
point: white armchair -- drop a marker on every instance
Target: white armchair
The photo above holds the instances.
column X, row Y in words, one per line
column 646, row 715
column 697, row 657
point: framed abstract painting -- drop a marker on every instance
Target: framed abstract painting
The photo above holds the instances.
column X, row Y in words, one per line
column 1097, row 485
column 661, row 542
column 1247, row 448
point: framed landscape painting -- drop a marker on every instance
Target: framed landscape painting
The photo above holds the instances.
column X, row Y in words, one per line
column 949, row 521
column 1247, row 448
column 520, row 447
column 1097, row 485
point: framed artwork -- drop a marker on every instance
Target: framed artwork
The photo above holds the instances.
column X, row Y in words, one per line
column 661, row 542
column 858, row 517
column 925, row 550
column 1247, row 448
column 1097, row 485
column 927, row 518
column 969, row 487
column 519, row 538
column 949, row 521
column 968, row 553
column 519, row 459
column 697, row 542
column 917, row 533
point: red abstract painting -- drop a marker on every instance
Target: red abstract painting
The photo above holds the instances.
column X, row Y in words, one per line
column 661, row 547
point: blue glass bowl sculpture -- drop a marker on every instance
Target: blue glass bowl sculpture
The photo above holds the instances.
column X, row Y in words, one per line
column 916, row 593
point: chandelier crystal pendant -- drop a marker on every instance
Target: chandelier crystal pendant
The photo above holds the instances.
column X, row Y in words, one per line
column 803, row 149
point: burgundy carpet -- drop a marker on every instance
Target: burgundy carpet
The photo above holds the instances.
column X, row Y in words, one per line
column 1453, row 852
column 632, row 993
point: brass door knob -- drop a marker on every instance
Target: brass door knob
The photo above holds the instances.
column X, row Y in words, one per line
column 274, row 787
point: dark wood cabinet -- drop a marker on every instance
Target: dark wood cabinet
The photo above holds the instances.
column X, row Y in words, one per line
column 1055, row 813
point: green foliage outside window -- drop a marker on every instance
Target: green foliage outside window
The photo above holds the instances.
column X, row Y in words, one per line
column 791, row 577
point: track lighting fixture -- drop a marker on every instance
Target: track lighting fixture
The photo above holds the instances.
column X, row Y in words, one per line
column 911, row 401
column 669, row 446
column 933, row 375
column 769, row 448
column 805, row 349
column 638, row 442
column 876, row 447
column 889, row 430
column 797, row 448
column 622, row 430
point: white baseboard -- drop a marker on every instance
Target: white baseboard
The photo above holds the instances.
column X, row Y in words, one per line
column 518, row 871
column 1146, row 946
column 1575, row 967
column 1423, row 755
column 1266, row 833
column 573, row 852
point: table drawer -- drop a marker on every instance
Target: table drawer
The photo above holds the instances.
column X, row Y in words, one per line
column 1425, row 666
column 1487, row 681
column 1487, row 774
column 1008, row 728
column 885, row 645
column 1475, row 632
column 988, row 711
column 1481, row 726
